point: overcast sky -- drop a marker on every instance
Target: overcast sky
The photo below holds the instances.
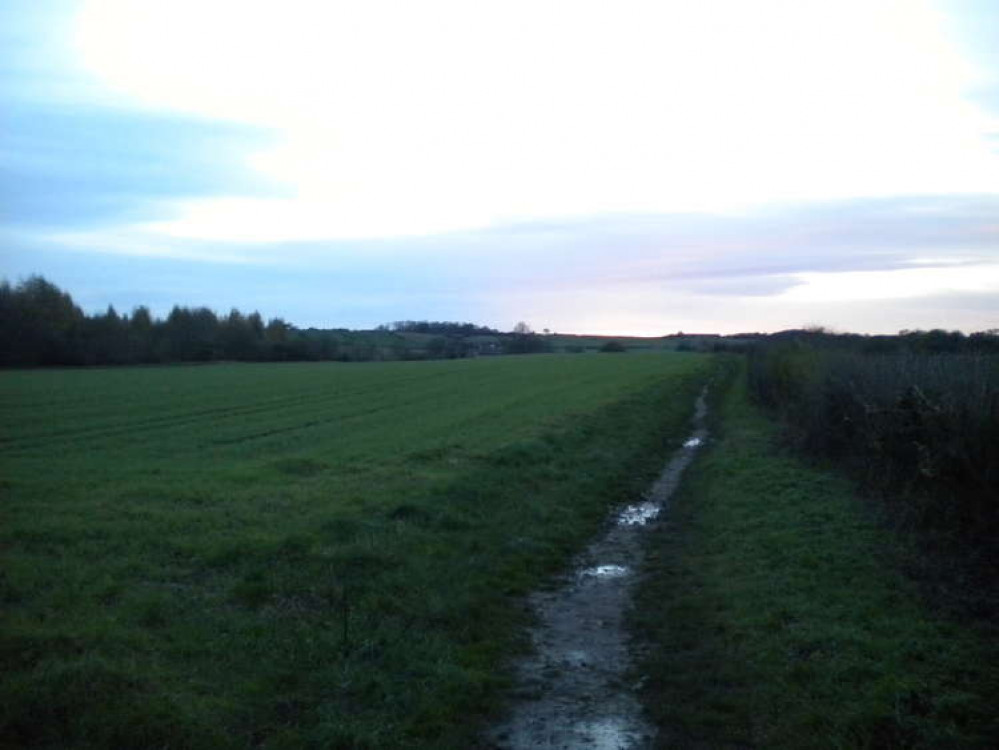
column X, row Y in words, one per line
column 606, row 167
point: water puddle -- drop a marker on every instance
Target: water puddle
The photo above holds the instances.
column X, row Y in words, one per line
column 605, row 571
column 577, row 675
column 639, row 515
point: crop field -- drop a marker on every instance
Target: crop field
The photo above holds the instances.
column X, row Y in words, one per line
column 301, row 554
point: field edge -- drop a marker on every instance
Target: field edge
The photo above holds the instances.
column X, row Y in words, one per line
column 771, row 619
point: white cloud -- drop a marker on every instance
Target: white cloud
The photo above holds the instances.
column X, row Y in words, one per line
column 892, row 285
column 402, row 118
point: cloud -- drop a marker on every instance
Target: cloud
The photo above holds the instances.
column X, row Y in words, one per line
column 860, row 234
column 975, row 25
column 649, row 167
column 399, row 118
column 72, row 156
column 613, row 274
column 83, row 167
column 760, row 254
column 751, row 253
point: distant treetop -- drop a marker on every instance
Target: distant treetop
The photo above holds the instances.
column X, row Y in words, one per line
column 439, row 327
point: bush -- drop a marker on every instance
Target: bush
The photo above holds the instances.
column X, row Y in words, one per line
column 921, row 427
column 525, row 343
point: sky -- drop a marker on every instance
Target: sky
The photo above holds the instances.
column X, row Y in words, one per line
column 629, row 167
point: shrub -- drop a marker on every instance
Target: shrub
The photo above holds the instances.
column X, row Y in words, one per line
column 920, row 427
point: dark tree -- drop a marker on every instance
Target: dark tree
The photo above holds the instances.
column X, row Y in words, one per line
column 613, row 347
column 190, row 335
column 40, row 324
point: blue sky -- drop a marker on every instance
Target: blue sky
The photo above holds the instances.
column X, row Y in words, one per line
column 635, row 167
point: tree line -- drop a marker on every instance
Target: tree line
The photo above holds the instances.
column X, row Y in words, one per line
column 907, row 341
column 41, row 325
column 439, row 327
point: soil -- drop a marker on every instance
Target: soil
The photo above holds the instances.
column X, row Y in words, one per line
column 576, row 689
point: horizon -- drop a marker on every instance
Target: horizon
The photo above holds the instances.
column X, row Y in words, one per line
column 624, row 172
column 397, row 326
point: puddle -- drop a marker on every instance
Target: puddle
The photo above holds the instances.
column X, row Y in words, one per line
column 577, row 676
column 639, row 515
column 605, row 571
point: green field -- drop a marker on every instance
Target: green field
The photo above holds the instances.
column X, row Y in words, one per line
column 302, row 554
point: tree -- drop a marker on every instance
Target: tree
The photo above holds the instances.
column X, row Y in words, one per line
column 105, row 339
column 142, row 335
column 525, row 341
column 238, row 337
column 41, row 324
column 191, row 335
column 448, row 347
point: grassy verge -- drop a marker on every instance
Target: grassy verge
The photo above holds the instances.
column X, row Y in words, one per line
column 302, row 556
column 777, row 622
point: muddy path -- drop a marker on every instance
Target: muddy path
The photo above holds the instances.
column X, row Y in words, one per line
column 573, row 690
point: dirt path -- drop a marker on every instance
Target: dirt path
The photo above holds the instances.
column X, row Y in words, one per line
column 573, row 690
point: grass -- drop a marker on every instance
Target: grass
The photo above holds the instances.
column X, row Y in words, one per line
column 306, row 555
column 778, row 619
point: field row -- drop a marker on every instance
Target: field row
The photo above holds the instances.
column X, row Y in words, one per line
column 301, row 555
column 226, row 404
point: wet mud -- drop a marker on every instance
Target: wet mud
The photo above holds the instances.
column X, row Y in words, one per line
column 573, row 691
